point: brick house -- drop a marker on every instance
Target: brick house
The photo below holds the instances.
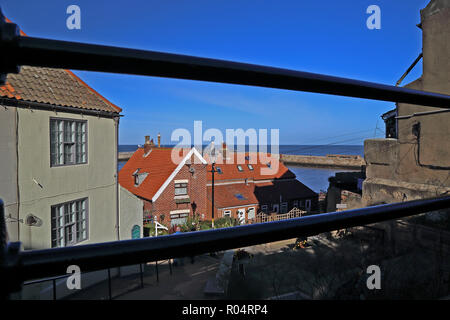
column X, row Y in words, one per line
column 170, row 191
column 241, row 190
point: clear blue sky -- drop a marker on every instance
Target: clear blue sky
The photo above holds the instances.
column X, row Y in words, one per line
column 328, row 37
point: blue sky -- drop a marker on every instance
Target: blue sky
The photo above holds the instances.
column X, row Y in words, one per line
column 328, row 37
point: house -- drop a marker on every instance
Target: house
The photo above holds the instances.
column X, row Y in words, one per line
column 58, row 155
column 413, row 161
column 241, row 190
column 170, row 191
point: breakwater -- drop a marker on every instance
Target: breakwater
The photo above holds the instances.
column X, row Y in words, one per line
column 329, row 161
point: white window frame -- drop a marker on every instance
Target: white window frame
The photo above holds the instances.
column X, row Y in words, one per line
column 179, row 187
column 69, row 143
column 226, row 213
column 70, row 219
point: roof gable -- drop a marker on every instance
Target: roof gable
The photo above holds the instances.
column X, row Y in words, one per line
column 160, row 168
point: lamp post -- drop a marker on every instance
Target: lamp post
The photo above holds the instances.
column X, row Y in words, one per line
column 213, row 163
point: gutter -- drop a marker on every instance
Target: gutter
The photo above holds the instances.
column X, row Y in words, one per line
column 57, row 108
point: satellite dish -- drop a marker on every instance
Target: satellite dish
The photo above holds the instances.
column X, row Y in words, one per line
column 33, row 221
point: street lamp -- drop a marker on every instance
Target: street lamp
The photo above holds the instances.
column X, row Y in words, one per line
column 212, row 157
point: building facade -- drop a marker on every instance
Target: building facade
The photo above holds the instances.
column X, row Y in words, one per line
column 170, row 191
column 414, row 162
column 242, row 189
column 58, row 151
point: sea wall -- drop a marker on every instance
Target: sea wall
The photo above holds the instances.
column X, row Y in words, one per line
column 329, row 161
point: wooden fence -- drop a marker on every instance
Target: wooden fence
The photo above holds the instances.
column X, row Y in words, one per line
column 267, row 217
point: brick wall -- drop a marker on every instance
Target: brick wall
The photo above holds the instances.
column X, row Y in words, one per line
column 196, row 191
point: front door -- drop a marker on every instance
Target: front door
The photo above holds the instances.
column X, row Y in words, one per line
column 241, row 215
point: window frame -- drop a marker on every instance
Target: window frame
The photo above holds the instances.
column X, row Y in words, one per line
column 226, row 213
column 181, row 187
column 285, row 205
column 74, row 143
column 54, row 224
column 239, row 167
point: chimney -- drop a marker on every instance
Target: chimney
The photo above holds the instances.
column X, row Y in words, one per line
column 159, row 140
column 147, row 145
column 224, row 150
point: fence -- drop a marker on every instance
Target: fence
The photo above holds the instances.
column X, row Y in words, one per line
column 268, row 217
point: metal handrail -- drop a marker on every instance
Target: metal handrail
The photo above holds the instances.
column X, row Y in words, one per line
column 22, row 50
column 17, row 266
column 51, row 262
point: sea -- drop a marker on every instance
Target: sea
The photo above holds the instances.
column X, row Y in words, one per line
column 315, row 178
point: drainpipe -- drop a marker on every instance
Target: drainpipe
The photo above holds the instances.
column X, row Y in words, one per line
column 116, row 122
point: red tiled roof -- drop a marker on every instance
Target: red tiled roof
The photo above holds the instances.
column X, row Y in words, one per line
column 225, row 195
column 56, row 87
column 159, row 166
column 267, row 192
column 230, row 171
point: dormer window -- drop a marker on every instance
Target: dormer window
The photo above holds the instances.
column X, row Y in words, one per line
column 139, row 177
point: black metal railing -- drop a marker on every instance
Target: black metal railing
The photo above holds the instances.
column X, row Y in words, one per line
column 17, row 266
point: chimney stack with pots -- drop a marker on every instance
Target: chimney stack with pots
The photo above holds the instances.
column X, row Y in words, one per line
column 147, row 145
column 159, row 140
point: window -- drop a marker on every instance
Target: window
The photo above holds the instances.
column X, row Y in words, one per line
column 68, row 142
column 180, row 189
column 69, row 223
column 240, row 168
column 219, row 170
column 308, row 204
column 284, row 207
column 227, row 213
column 250, row 167
column 251, row 213
column 296, row 204
column 265, row 208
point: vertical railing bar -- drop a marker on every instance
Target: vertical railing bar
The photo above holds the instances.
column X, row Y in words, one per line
column 170, row 266
column 109, row 284
column 142, row 275
column 54, row 289
column 157, row 273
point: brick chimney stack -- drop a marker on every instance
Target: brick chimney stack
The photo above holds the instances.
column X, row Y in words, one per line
column 147, row 145
column 159, row 140
column 224, row 150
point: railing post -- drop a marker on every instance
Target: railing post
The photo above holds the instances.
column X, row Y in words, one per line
column 142, row 275
column 170, row 266
column 157, row 274
column 54, row 289
column 109, row 284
